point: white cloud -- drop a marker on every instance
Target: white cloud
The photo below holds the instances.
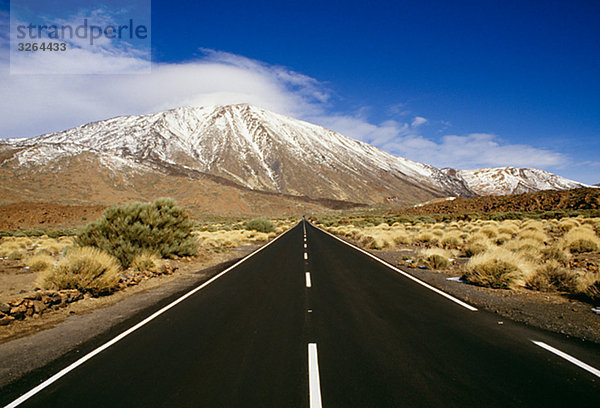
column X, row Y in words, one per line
column 474, row 150
column 36, row 104
column 418, row 121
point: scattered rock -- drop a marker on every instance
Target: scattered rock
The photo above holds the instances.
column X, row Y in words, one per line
column 5, row 320
column 36, row 304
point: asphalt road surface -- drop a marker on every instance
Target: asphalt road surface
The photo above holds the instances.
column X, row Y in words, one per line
column 309, row 321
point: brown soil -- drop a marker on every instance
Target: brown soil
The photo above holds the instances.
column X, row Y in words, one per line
column 577, row 199
column 84, row 181
column 46, row 215
column 15, row 280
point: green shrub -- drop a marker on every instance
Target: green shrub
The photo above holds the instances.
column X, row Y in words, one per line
column 260, row 225
column 127, row 231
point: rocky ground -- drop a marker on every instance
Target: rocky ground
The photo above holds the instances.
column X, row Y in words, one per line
column 577, row 199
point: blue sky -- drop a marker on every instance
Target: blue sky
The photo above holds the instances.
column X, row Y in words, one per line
column 451, row 83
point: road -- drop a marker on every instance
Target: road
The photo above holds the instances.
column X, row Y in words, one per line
column 309, row 321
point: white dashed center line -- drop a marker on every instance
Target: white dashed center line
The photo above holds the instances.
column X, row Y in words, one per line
column 308, row 283
column 314, row 385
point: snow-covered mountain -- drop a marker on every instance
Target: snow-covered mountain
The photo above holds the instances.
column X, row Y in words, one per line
column 511, row 180
column 248, row 146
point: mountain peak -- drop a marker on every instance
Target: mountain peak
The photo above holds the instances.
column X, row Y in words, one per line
column 261, row 150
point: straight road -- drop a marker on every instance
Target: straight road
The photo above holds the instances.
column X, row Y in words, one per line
column 312, row 322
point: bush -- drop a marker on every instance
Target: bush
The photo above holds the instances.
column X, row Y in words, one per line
column 498, row 268
column 532, row 234
column 451, row 239
column 86, row 269
column 38, row 263
column 126, row 231
column 556, row 253
column 580, row 239
column 145, row 262
column 427, row 237
column 435, row 258
column 477, row 244
column 502, row 239
column 526, row 248
column 489, row 231
column 15, row 255
column 553, row 276
column 260, row 225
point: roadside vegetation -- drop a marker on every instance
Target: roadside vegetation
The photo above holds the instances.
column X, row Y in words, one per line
column 129, row 243
column 127, row 231
column 531, row 251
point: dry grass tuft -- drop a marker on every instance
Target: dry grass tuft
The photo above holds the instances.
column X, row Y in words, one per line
column 502, row 239
column 218, row 240
column 532, row 225
column 427, row 237
column 489, row 231
column 40, row 263
column 477, row 244
column 7, row 247
column 16, row 255
column 435, row 258
column 145, row 262
column 452, row 239
column 580, row 240
column 498, row 268
column 527, row 248
column 557, row 253
column 567, row 224
column 552, row 275
column 509, row 228
column 533, row 234
column 86, row 269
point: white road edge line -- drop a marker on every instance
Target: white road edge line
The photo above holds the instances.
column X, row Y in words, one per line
column 305, row 256
column 308, row 282
column 127, row 332
column 567, row 357
column 314, row 385
column 401, row 272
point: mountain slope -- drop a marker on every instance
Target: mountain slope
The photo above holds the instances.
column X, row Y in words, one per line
column 233, row 151
column 511, row 180
column 250, row 147
column 84, row 180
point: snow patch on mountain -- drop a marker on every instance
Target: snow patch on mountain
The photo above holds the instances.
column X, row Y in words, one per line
column 244, row 143
column 266, row 151
column 511, row 180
